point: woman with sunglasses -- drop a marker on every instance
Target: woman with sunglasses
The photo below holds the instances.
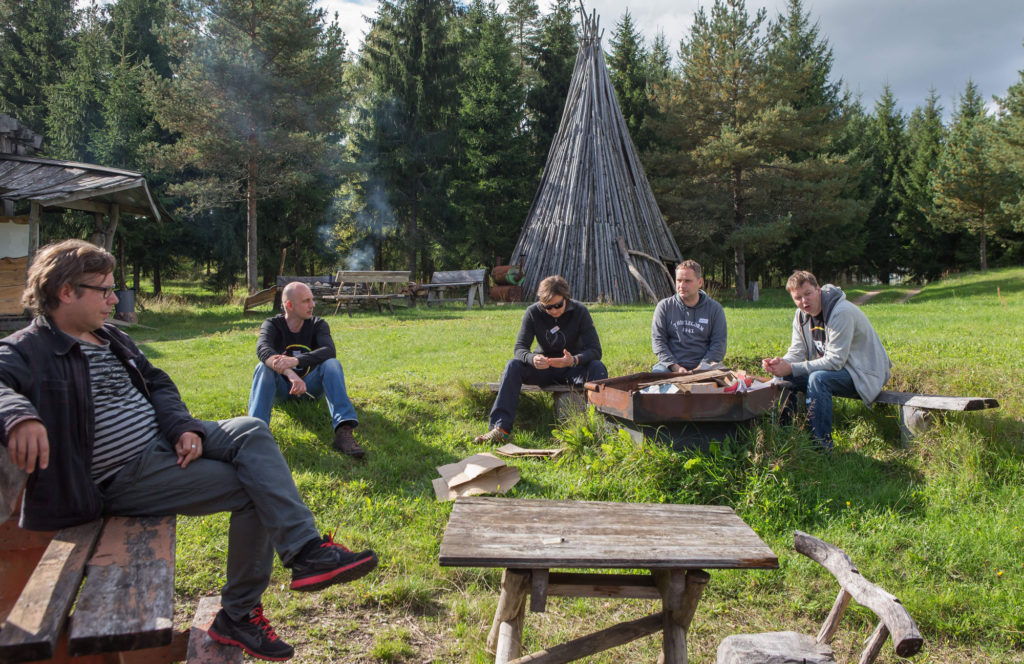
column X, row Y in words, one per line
column 568, row 352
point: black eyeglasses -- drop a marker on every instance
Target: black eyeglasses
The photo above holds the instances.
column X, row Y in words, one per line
column 559, row 305
column 106, row 290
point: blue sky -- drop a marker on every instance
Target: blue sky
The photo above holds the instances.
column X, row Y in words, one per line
column 911, row 45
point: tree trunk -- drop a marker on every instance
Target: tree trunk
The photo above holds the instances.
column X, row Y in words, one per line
column 251, row 258
column 982, row 247
column 158, row 286
column 411, row 235
column 739, row 261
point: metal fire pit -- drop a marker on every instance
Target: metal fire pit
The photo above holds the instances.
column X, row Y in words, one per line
column 684, row 420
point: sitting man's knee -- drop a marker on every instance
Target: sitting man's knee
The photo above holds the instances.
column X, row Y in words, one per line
column 596, row 370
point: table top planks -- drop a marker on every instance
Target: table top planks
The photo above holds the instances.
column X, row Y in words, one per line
column 545, row 534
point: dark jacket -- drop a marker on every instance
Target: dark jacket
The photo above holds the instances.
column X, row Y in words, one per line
column 314, row 336
column 44, row 376
column 574, row 330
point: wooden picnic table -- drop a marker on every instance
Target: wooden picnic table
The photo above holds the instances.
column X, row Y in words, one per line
column 529, row 538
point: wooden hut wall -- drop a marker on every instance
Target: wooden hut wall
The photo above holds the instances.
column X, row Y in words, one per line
column 593, row 191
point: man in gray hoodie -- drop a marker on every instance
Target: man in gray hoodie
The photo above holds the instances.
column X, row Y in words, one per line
column 834, row 351
column 688, row 328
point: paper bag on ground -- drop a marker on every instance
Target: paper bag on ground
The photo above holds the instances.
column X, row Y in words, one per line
column 475, row 475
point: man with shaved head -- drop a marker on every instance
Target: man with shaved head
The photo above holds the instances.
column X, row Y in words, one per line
column 297, row 358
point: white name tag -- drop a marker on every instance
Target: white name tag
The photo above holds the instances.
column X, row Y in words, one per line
column 703, row 321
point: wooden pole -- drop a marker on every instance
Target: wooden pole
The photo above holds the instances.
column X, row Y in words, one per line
column 604, row 639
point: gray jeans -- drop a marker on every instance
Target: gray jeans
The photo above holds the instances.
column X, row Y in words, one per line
column 241, row 471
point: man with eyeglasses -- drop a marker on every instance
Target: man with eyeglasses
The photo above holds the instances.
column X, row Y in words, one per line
column 568, row 353
column 688, row 329
column 101, row 431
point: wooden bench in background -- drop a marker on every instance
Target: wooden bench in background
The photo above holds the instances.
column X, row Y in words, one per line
column 567, row 398
column 894, row 619
column 442, row 282
column 919, row 411
column 124, row 612
column 376, row 286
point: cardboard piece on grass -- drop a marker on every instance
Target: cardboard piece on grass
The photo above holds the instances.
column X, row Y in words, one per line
column 512, row 450
column 473, row 476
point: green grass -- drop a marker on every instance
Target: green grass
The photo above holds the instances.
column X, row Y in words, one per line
column 940, row 525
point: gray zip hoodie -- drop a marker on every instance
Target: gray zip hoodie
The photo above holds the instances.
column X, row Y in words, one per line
column 850, row 343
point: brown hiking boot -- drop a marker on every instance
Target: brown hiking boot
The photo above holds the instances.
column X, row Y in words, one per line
column 495, row 435
column 345, row 442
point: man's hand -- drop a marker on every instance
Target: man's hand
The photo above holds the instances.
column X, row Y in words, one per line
column 777, row 366
column 189, row 447
column 282, row 363
column 678, row 368
column 567, row 360
column 541, row 362
column 28, row 444
column 298, row 387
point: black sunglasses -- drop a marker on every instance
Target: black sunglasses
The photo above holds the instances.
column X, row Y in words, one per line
column 549, row 307
column 106, row 290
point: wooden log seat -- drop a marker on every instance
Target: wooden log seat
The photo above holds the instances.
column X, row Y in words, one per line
column 125, row 608
column 919, row 411
column 795, row 648
column 567, row 398
column 442, row 282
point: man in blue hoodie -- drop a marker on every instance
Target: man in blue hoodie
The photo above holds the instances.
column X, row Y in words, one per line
column 689, row 328
column 833, row 351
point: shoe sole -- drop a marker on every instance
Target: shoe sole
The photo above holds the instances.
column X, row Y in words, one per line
column 350, row 572
column 354, row 455
column 223, row 640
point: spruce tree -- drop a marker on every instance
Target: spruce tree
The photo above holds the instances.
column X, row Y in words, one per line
column 970, row 182
column 926, row 251
column 628, row 68
column 35, row 46
column 554, row 59
column 1009, row 148
column 887, row 163
column 496, row 181
column 407, row 143
column 254, row 101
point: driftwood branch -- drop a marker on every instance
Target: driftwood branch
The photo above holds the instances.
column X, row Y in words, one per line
column 895, row 617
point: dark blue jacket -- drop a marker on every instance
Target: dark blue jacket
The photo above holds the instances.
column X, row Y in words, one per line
column 44, row 376
column 573, row 330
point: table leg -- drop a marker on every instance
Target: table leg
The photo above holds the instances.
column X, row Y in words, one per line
column 506, row 635
column 680, row 592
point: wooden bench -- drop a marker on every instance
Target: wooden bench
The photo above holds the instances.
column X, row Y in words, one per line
column 567, row 398
column 125, row 608
column 376, row 286
column 795, row 648
column 919, row 411
column 442, row 282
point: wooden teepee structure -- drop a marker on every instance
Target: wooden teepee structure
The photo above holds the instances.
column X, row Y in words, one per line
column 594, row 219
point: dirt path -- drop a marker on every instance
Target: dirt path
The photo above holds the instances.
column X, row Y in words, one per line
column 903, row 300
column 865, row 297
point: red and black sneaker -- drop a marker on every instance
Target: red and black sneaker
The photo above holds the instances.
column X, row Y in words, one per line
column 253, row 634
column 325, row 563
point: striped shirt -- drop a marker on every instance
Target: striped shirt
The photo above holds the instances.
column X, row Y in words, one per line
column 124, row 420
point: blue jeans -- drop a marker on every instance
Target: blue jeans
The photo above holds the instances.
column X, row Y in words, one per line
column 503, row 414
column 327, row 380
column 820, row 387
column 241, row 471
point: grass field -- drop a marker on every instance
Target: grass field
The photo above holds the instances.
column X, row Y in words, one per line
column 939, row 524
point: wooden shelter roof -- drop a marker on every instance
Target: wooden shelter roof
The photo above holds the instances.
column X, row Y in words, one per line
column 77, row 186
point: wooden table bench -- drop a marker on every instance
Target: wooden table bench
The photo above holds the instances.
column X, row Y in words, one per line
column 125, row 608
column 442, row 282
column 917, row 412
column 374, row 286
column 567, row 398
column 529, row 538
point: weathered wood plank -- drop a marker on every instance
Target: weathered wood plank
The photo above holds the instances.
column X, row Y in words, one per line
column 936, row 401
column 631, row 586
column 12, row 480
column 34, row 624
column 489, row 532
column 604, row 639
column 493, row 387
column 906, row 637
column 201, row 648
column 127, row 601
